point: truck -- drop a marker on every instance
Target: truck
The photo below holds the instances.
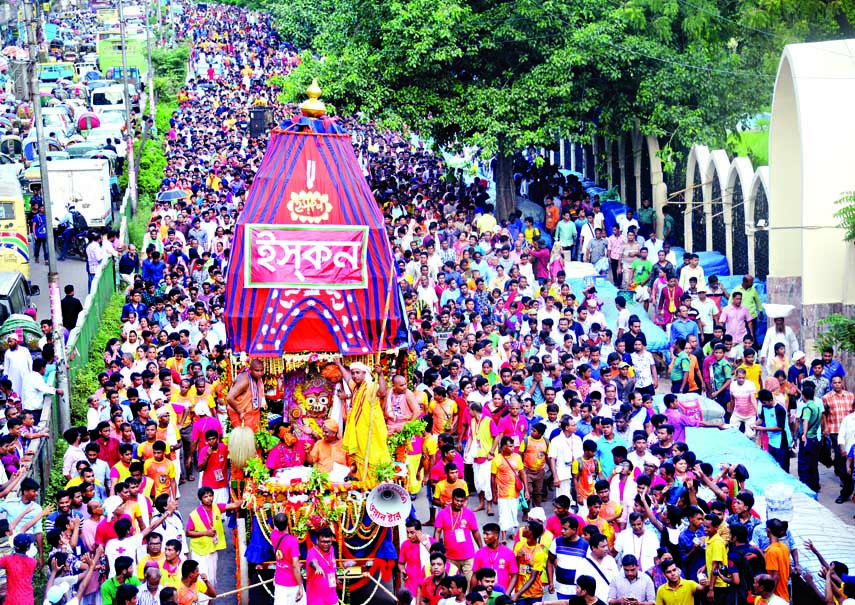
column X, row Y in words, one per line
column 85, row 184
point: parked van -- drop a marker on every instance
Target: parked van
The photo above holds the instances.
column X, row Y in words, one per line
column 14, row 251
column 108, row 97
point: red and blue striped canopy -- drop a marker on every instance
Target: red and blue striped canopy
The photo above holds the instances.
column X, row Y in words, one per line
column 311, row 267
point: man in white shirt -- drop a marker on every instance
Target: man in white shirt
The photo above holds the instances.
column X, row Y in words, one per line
column 693, row 269
column 707, row 312
column 17, row 363
column 563, row 450
column 627, row 220
column 600, row 565
column 638, row 541
column 35, row 389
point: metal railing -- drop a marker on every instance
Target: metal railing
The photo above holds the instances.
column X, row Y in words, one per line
column 105, row 283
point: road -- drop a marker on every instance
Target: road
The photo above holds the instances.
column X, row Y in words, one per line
column 71, row 271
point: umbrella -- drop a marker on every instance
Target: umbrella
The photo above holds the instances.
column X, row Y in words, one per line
column 88, row 121
column 171, row 195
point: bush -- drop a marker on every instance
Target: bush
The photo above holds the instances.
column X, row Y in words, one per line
column 170, row 65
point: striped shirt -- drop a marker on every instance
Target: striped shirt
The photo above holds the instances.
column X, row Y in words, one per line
column 569, row 558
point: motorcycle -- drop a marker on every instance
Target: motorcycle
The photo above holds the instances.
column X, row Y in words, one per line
column 76, row 244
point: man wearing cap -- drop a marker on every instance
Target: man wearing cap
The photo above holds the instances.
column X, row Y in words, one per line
column 20, row 569
column 17, row 363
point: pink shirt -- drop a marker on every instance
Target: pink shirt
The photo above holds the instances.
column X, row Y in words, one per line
column 203, row 424
column 734, row 319
column 743, row 404
column 320, row 588
column 680, row 421
column 285, row 548
column 412, row 559
column 437, row 472
column 501, row 559
column 517, row 429
column 457, row 532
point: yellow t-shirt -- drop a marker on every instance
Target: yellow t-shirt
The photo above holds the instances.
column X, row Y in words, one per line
column 506, row 470
column 530, row 559
column 442, row 491
column 716, row 551
column 752, row 373
column 487, row 433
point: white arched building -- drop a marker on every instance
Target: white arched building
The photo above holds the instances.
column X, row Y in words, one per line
column 811, row 139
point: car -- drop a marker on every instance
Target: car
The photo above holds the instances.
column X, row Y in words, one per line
column 95, row 84
column 102, row 133
column 114, row 118
column 79, row 150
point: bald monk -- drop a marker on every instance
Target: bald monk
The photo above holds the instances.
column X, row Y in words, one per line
column 246, row 397
column 365, row 432
column 401, row 405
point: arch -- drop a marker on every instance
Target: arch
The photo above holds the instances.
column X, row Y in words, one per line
column 716, row 170
column 735, row 197
column 757, row 209
column 658, row 188
column 699, row 157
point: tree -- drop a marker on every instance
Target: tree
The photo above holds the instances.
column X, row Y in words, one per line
column 505, row 74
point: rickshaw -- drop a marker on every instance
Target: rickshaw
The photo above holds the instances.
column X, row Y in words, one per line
column 12, row 145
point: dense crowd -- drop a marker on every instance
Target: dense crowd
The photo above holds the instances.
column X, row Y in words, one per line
column 533, row 400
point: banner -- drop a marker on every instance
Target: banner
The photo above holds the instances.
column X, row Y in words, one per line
column 296, row 256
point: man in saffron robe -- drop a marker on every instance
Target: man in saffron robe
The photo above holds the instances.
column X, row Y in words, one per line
column 246, row 397
column 365, row 432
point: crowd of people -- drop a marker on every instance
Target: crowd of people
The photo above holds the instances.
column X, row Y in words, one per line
column 533, row 400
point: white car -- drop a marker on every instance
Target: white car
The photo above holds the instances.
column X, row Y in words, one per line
column 102, row 133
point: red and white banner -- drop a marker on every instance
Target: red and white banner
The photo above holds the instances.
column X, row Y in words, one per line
column 296, row 256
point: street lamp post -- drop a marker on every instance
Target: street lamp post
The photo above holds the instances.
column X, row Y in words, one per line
column 129, row 127
column 53, row 273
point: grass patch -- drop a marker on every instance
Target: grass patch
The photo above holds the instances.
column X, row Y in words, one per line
column 110, row 54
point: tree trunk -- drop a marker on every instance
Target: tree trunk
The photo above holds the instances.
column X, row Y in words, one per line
column 506, row 199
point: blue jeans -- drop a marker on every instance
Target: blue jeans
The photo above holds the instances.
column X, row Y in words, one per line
column 90, row 277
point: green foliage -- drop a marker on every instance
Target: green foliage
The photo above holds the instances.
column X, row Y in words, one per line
column 257, row 470
column 152, row 165
column 846, row 215
column 506, row 74
column 57, row 480
column 170, row 65
column 85, row 380
column 137, row 225
column 840, row 333
column 265, row 441
column 405, row 435
column 163, row 114
column 384, row 473
column 318, row 481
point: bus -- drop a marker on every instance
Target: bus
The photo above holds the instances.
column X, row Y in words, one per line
column 14, row 251
column 60, row 70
